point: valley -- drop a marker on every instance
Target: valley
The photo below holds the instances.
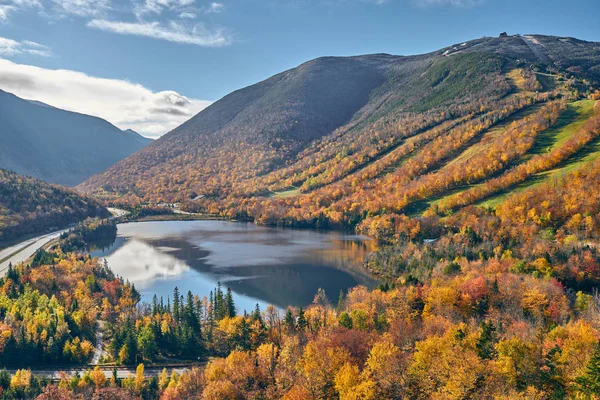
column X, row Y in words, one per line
column 59, row 146
column 364, row 227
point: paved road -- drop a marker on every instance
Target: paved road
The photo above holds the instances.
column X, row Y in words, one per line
column 99, row 348
column 22, row 251
column 117, row 212
column 108, row 371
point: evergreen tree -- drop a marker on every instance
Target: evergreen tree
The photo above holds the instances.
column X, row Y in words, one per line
column 589, row 383
column 11, row 273
column 181, row 308
column 155, row 309
column 211, row 315
column 190, row 344
column 550, row 376
column 219, row 302
column 256, row 313
column 487, row 339
column 302, row 322
column 134, row 293
column 176, row 315
column 244, row 335
column 289, row 320
column 229, row 304
column 340, row 303
column 191, row 319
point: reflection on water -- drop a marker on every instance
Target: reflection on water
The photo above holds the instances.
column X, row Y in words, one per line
column 141, row 262
column 260, row 264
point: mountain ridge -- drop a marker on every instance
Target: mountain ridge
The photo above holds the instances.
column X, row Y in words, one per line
column 57, row 145
column 315, row 130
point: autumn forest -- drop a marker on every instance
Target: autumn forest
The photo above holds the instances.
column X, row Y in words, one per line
column 475, row 169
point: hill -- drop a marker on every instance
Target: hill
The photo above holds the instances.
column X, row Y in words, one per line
column 29, row 206
column 337, row 140
column 59, row 146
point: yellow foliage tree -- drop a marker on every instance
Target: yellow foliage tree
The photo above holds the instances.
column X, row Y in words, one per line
column 21, row 379
column 98, row 377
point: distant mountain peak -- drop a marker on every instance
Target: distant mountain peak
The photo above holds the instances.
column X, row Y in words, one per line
column 59, row 146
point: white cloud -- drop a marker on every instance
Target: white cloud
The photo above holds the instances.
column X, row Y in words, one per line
column 57, row 9
column 5, row 9
column 125, row 104
column 214, row 8
column 172, row 32
column 10, row 6
column 158, row 6
column 81, row 8
column 158, row 19
column 26, row 3
column 9, row 47
column 187, row 15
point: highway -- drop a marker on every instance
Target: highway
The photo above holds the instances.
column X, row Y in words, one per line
column 122, row 372
column 22, row 251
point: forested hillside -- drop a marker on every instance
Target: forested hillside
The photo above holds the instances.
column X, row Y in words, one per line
column 29, row 206
column 476, row 167
column 59, row 146
column 338, row 139
column 468, row 316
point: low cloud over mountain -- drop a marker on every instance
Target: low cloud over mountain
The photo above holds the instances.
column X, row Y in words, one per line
column 127, row 105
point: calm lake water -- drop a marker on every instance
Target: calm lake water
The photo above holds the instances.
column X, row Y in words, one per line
column 264, row 265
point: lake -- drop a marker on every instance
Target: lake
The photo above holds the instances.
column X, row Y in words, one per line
column 264, row 265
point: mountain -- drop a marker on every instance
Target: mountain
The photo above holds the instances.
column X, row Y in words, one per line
column 338, row 139
column 137, row 137
column 29, row 206
column 59, row 146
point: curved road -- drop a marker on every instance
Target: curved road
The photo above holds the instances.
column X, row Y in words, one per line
column 22, row 251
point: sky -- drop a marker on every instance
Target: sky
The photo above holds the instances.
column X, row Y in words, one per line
column 149, row 65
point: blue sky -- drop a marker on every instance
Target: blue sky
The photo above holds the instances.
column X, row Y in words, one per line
column 178, row 55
